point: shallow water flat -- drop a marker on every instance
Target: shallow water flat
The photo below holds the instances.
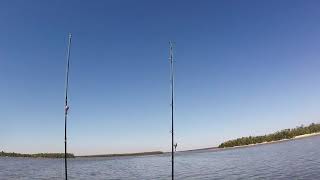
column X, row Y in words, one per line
column 296, row 159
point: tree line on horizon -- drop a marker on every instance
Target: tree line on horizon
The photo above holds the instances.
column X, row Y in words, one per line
column 38, row 155
column 279, row 135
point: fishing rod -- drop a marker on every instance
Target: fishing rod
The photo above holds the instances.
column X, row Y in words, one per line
column 66, row 107
column 173, row 146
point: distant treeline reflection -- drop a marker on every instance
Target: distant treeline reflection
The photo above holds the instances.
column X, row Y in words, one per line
column 39, row 155
column 283, row 134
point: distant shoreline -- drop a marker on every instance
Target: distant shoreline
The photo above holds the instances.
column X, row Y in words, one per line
column 204, row 149
column 37, row 155
column 123, row 154
column 271, row 142
column 282, row 135
column 61, row 155
column 161, row 152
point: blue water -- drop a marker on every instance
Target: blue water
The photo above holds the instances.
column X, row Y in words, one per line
column 297, row 159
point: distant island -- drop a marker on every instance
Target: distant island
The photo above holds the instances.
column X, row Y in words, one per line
column 38, row 155
column 277, row 136
column 126, row 154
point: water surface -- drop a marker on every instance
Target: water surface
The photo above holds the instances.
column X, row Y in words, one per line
column 296, row 159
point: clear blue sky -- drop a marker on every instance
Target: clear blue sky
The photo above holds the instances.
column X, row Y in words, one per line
column 242, row 68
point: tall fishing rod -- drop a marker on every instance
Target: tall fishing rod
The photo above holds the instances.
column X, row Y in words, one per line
column 66, row 107
column 173, row 146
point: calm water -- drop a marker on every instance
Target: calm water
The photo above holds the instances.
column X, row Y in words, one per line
column 298, row 159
